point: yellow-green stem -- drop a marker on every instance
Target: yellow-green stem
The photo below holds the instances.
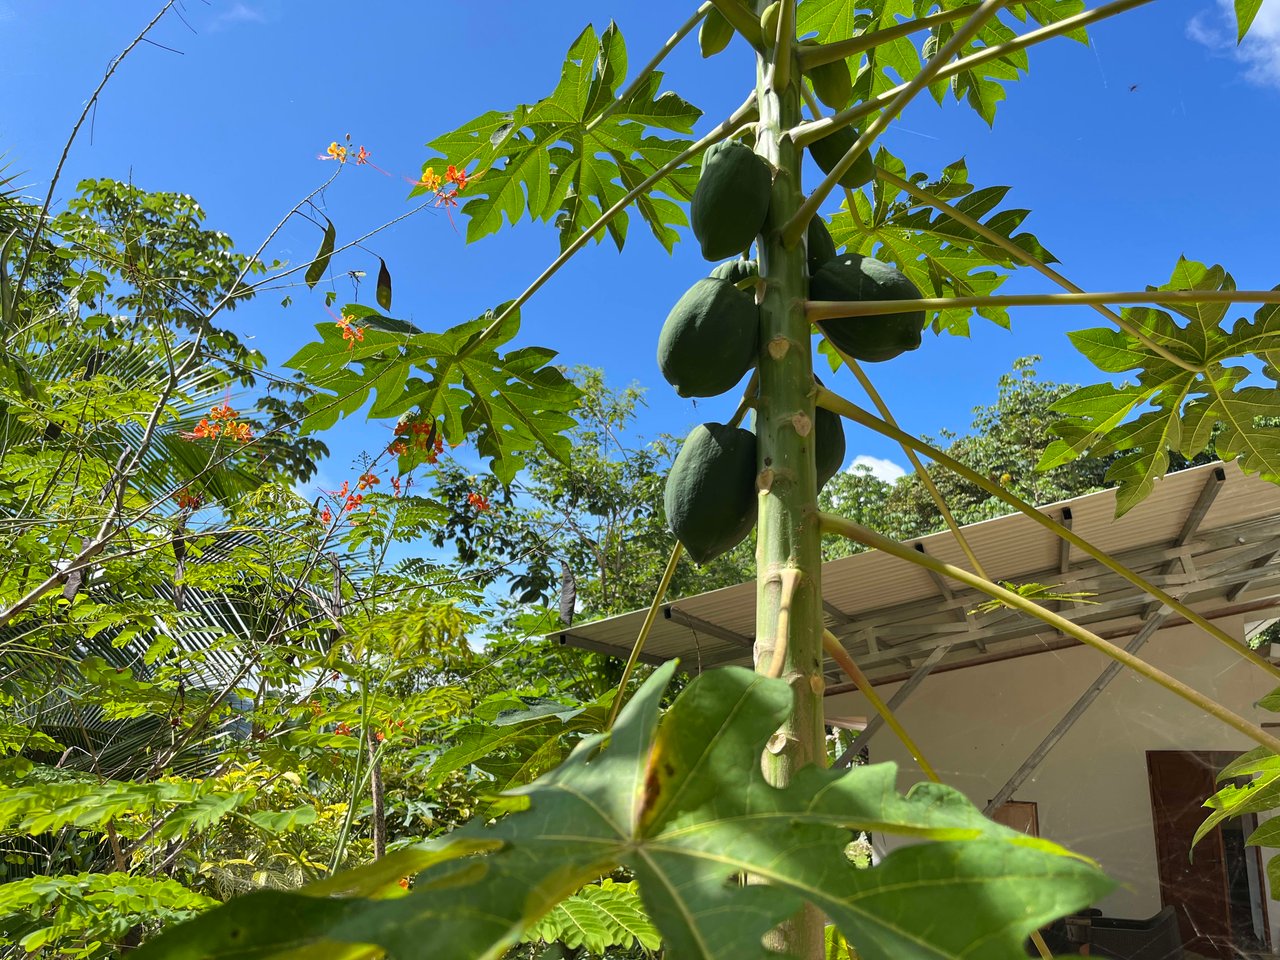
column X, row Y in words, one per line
column 806, row 133
column 838, row 404
column 963, row 34
column 836, row 651
column 869, row 538
column 823, row 53
column 1035, row 263
column 658, row 596
column 817, row 310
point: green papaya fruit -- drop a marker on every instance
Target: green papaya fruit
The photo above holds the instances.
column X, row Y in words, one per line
column 833, row 84
column 738, row 271
column 710, row 497
column 710, row 339
column 769, row 22
column 874, row 338
column 820, row 246
column 828, row 444
column 828, row 151
column 731, row 199
column 714, row 34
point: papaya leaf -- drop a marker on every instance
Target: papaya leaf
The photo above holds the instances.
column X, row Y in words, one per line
column 669, row 803
column 939, row 255
column 888, row 64
column 321, row 262
column 1246, row 10
column 564, row 159
column 510, row 404
column 1170, row 407
column 382, row 293
column 1254, row 796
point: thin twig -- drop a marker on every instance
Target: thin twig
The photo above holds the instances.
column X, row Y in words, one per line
column 824, row 53
column 75, row 132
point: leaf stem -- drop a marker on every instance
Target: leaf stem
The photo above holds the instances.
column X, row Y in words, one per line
column 783, row 44
column 964, row 33
column 805, row 133
column 1018, row 253
column 836, row 651
column 845, row 408
column 672, row 42
column 868, row 537
column 739, row 116
column 790, row 578
column 817, row 310
column 742, row 20
column 824, row 53
column 652, row 615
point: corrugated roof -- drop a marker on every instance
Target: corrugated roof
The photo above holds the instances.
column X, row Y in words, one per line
column 1209, row 535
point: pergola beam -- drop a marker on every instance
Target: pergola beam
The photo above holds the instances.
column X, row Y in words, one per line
column 1074, row 713
column 676, row 615
column 895, row 703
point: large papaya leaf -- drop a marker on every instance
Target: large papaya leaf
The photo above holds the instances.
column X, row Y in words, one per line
column 686, row 809
column 941, row 256
column 511, row 404
column 1176, row 408
column 898, row 61
column 576, row 152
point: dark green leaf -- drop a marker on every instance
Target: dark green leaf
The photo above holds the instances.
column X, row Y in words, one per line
column 383, row 292
column 321, row 262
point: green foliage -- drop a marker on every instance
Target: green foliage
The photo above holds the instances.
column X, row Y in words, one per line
column 511, row 403
column 1177, row 409
column 670, row 802
column 572, row 155
column 886, row 65
column 597, row 917
column 941, row 257
column 89, row 914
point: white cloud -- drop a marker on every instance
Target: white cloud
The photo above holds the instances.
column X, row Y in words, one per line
column 236, row 14
column 886, row 470
column 1259, row 54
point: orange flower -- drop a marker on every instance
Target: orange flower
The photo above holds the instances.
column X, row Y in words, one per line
column 399, row 448
column 187, row 500
column 206, row 430
column 240, row 431
column 342, row 730
column 395, row 485
column 336, row 151
column 457, row 177
column 430, row 180
column 353, row 502
column 380, row 736
column 326, row 515
column 224, row 412
column 478, row 501
column 368, row 481
column 404, row 882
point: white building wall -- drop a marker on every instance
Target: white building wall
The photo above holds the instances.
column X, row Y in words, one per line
column 977, row 725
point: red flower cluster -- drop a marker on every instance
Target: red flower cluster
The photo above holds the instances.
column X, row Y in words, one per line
column 342, row 152
column 425, row 436
column 221, row 422
column 478, row 501
column 342, row 730
column 186, row 500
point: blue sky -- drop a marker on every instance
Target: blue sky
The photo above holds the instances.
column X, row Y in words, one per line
column 1120, row 181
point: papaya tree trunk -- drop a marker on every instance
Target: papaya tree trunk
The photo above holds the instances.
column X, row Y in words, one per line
column 788, row 550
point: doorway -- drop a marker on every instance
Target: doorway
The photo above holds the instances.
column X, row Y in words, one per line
column 1218, row 893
